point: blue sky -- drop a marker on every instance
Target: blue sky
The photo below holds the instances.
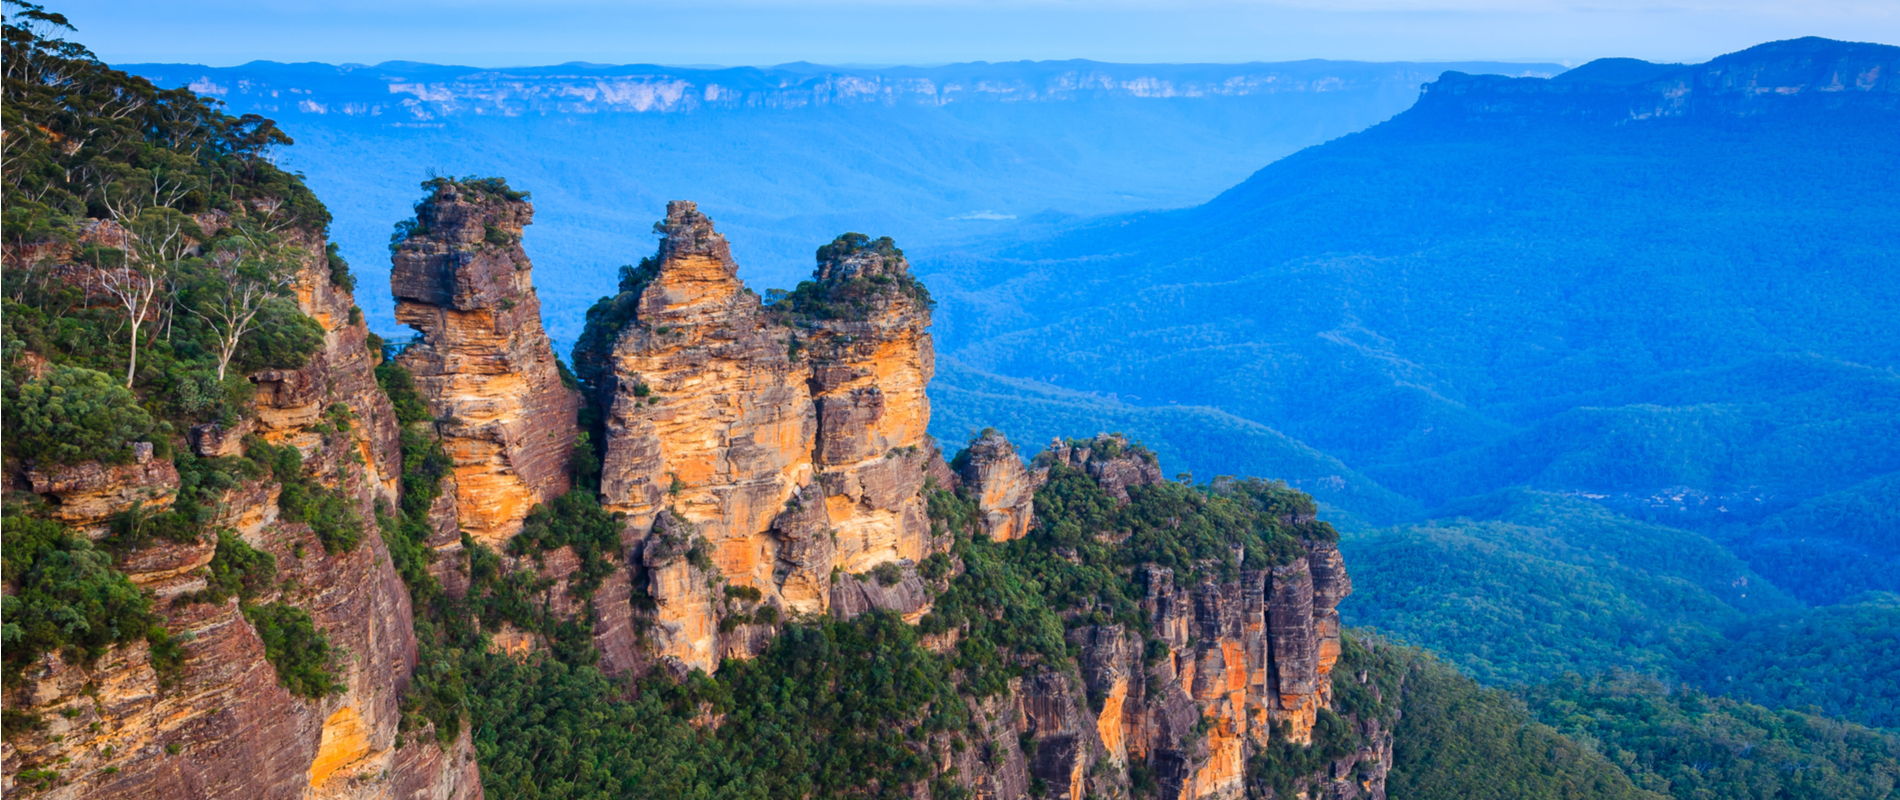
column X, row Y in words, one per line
column 517, row 32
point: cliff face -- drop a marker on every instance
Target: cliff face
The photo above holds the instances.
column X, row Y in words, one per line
column 777, row 454
column 427, row 93
column 869, row 359
column 226, row 727
column 1236, row 665
column 483, row 362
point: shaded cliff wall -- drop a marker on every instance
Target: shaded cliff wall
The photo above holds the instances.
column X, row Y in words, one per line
column 226, row 727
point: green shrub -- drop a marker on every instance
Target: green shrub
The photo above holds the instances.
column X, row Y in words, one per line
column 65, row 596
column 236, row 569
column 400, row 386
column 573, row 520
column 74, row 414
column 284, row 338
column 331, row 515
column 305, row 661
column 340, row 276
column 137, row 526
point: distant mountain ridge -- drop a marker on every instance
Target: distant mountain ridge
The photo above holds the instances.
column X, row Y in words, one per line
column 1807, row 73
column 412, row 91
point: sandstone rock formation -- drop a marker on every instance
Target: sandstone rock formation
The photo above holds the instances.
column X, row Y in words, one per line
column 787, row 444
column 483, row 362
column 88, row 494
column 767, row 460
column 1242, row 662
column 863, row 324
column 1107, row 459
column 226, row 727
column 1004, row 490
column 1191, row 720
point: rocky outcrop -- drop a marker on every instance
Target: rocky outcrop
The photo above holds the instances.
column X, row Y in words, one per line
column 863, row 324
column 89, row 494
column 710, row 422
column 225, row 727
column 482, row 362
column 896, row 587
column 1004, row 490
column 1228, row 667
column 1108, row 459
column 790, row 440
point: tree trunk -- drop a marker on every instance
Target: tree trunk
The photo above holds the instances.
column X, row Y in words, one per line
column 132, row 363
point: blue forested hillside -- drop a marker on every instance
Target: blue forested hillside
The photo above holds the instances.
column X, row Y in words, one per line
column 1666, row 288
column 1599, row 374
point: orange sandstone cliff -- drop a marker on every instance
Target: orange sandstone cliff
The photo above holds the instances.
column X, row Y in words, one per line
column 224, row 726
column 770, row 448
column 1247, row 661
column 482, row 361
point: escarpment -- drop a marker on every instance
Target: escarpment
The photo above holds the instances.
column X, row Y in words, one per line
column 482, row 360
column 1092, row 629
column 1215, row 666
column 204, row 710
column 767, row 463
column 252, row 552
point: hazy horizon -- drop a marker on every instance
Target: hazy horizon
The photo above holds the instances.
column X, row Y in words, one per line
column 884, row 33
column 851, row 65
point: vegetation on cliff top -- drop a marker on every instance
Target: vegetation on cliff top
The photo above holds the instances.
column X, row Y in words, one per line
column 147, row 213
column 148, row 237
column 851, row 294
column 472, row 188
column 151, row 247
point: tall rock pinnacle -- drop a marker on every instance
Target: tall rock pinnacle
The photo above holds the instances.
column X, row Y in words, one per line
column 483, row 363
column 767, row 447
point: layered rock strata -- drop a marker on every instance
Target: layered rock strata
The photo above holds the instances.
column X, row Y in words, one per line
column 482, row 361
column 1243, row 662
column 1004, row 490
column 225, row 727
column 783, row 447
